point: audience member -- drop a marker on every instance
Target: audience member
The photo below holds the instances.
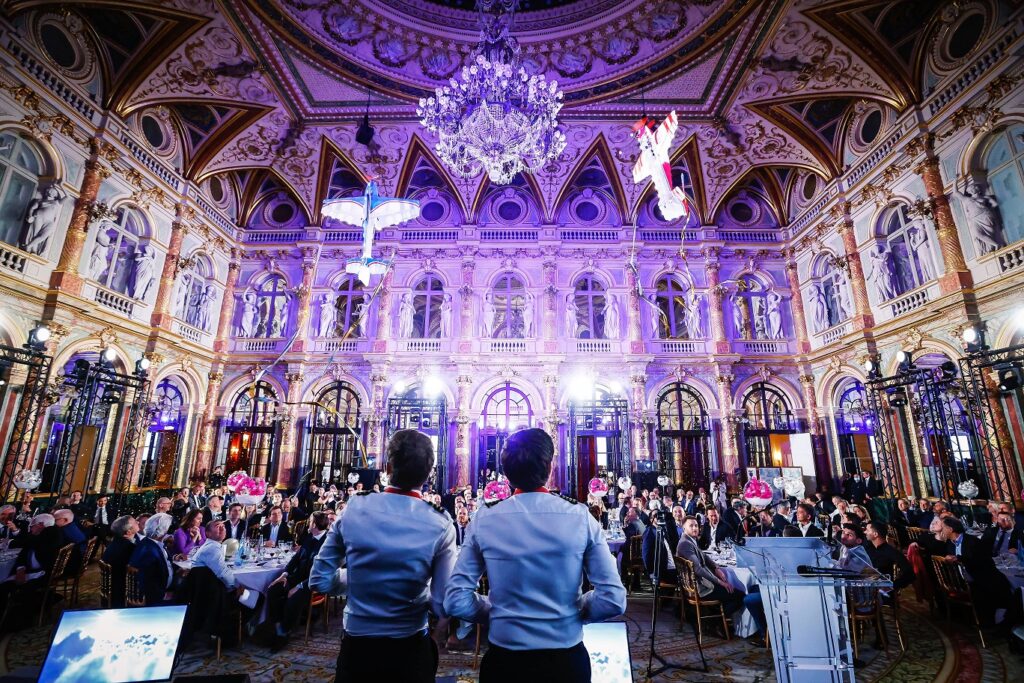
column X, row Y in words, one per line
column 288, row 596
column 275, row 531
column 715, row 531
column 117, row 555
column 234, row 525
column 805, row 522
column 1003, row 537
column 150, row 558
column 885, row 558
column 190, row 534
column 214, row 510
column 989, row 586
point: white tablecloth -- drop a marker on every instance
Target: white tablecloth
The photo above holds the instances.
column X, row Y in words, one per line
column 742, row 579
column 256, row 576
column 1011, row 569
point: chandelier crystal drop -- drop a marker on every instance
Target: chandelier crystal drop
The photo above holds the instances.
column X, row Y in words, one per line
column 497, row 117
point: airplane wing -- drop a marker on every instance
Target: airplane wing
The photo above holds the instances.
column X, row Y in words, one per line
column 349, row 210
column 640, row 170
column 665, row 133
column 388, row 212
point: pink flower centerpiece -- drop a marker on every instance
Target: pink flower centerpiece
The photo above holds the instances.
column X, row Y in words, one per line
column 496, row 490
column 247, row 490
column 758, row 493
column 598, row 486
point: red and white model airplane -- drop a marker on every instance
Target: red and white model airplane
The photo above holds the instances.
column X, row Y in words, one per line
column 655, row 144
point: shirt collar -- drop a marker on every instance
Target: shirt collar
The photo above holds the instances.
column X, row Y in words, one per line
column 542, row 489
column 402, row 492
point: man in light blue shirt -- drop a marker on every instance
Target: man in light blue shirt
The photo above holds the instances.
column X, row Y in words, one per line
column 536, row 548
column 398, row 551
column 211, row 554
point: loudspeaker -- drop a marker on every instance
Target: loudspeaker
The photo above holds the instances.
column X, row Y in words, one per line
column 222, row 678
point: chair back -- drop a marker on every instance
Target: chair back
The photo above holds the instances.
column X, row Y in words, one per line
column 60, row 565
column 90, row 548
column 636, row 556
column 893, row 538
column 914, row 534
column 106, row 584
column 299, row 530
column 693, row 588
column 950, row 576
column 133, row 595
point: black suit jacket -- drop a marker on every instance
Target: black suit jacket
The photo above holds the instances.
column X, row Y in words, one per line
column 208, row 515
column 779, row 523
column 460, row 533
column 302, row 561
column 812, row 531
column 922, row 520
column 238, row 532
column 117, row 555
column 91, row 514
column 284, row 535
column 992, row 533
column 153, row 570
column 45, row 545
column 886, row 558
column 722, row 532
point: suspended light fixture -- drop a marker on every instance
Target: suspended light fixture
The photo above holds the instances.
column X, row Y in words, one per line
column 497, row 117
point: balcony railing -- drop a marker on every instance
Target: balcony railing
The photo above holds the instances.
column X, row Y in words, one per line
column 339, row 345
column 192, row 334
column 835, row 333
column 511, row 346
column 763, row 346
column 678, row 346
column 909, row 302
column 259, row 345
column 421, row 345
column 12, row 259
column 114, row 301
column 593, row 346
column 1011, row 259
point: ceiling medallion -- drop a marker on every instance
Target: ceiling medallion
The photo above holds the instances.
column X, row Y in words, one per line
column 497, row 117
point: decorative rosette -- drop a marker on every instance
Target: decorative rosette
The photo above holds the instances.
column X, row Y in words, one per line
column 28, row 479
column 625, row 483
column 353, row 478
column 663, row 480
column 598, row 486
column 795, row 488
column 968, row 489
column 496, row 490
column 758, row 493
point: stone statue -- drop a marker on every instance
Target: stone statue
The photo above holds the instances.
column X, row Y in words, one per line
column 145, row 272
column 983, row 218
column 250, row 319
column 774, row 315
column 528, row 309
column 486, row 316
column 880, row 273
column 446, row 316
column 203, row 308
column 100, row 254
column 195, row 300
column 694, row 322
column 572, row 323
column 656, row 326
column 41, row 223
column 819, row 309
column 328, row 316
column 362, row 316
column 181, row 297
column 406, row 315
column 612, row 322
column 739, row 322
column 279, row 319
column 920, row 244
column 847, row 309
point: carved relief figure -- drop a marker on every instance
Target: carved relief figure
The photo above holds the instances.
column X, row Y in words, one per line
column 983, row 218
column 819, row 309
column 880, row 273
column 145, row 272
column 760, row 318
column 181, row 296
column 446, row 316
column 486, row 316
column 100, row 254
column 611, row 317
column 739, row 321
column 774, row 315
column 656, row 325
column 41, row 222
column 694, row 322
column 328, row 316
column 406, row 314
column 279, row 322
column 920, row 243
column 571, row 317
column 203, row 308
column 250, row 319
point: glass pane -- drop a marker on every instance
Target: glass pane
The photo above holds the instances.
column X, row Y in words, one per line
column 999, row 153
column 7, row 144
column 1009, row 192
column 15, row 203
column 27, row 159
column 122, row 266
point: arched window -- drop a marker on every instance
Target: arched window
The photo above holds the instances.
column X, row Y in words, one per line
column 164, row 437
column 427, row 296
column 907, row 241
column 349, row 301
column 254, row 406
column 272, row 304
column 195, row 294
column 590, row 306
column 767, row 412
column 683, row 436
column 750, row 309
column 252, row 432
column 1004, row 162
column 507, row 409
column 334, row 434
column 855, row 428
column 671, row 300
column 509, row 299
column 117, row 243
column 20, row 168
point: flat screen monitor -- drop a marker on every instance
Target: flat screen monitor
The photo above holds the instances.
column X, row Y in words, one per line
column 114, row 645
column 608, row 645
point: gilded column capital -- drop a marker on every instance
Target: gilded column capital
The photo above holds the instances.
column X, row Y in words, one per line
column 215, row 377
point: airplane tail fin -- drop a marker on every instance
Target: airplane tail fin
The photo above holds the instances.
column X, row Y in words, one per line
column 365, row 267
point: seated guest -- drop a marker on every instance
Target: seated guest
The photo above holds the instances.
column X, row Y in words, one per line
column 667, row 558
column 781, row 517
column 150, row 558
column 678, row 517
column 765, row 527
column 904, row 515
column 214, row 510
column 923, row 515
column 211, row 554
column 180, row 507
column 8, row 529
column 805, row 522
column 689, row 504
column 162, row 505
column 72, row 533
column 461, row 525
column 101, row 515
column 118, row 554
column 885, row 558
column 735, row 514
column 715, row 531
column 989, row 586
column 851, row 554
column 234, row 525
column 78, row 506
column 705, row 568
column 196, row 496
column 842, row 507
column 823, row 504
column 288, row 596
column 290, row 513
column 275, row 531
column 26, row 511
column 1001, row 538
column 140, row 522
column 189, row 535
column 39, row 547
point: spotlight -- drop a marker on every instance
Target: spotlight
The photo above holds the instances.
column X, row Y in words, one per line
column 973, row 338
column 365, row 132
column 38, row 337
column 581, row 385
column 1009, row 377
column 947, row 371
column 5, row 372
column 80, row 373
column 433, row 386
column 111, row 395
column 872, row 368
column 108, row 356
column 897, row 396
column 906, row 362
column 142, row 365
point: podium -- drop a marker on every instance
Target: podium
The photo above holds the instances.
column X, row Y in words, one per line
column 808, row 618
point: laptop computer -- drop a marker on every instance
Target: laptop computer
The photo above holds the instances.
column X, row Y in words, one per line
column 608, row 645
column 114, row 645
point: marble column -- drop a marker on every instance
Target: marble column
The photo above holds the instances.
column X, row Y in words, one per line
column 641, row 445
column 305, row 296
column 378, row 413
column 227, row 308
column 634, row 328
column 549, row 314
column 65, row 276
column 730, row 448
column 716, row 316
column 956, row 276
column 286, row 455
column 862, row 319
column 810, row 404
column 803, row 342
column 999, row 429
column 463, row 421
column 551, row 426
column 207, row 436
column 162, row 316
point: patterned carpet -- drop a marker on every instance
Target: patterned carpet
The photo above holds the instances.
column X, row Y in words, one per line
column 935, row 652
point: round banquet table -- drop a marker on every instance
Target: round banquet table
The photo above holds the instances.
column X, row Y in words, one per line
column 254, row 575
column 742, row 579
column 1008, row 564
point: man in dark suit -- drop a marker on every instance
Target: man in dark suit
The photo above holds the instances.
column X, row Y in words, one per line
column 39, row 547
column 781, row 517
column 805, row 521
column 858, row 493
column 989, row 586
column 196, row 499
column 72, row 533
column 461, row 525
column 291, row 513
column 715, row 531
column 872, row 486
column 234, row 525
column 923, row 516
column 214, row 510
column 102, row 515
column 764, row 528
column 649, row 548
column 712, row 582
column 275, row 532
column 78, row 506
column 735, row 514
column 1003, row 536
column 8, row 526
column 288, row 596
column 885, row 558
column 118, row 554
column 150, row 558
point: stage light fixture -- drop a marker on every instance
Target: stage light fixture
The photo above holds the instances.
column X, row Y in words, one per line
column 5, row 372
column 581, row 385
column 1009, row 377
column 905, row 360
column 948, row 370
column 974, row 339
column 142, row 365
column 38, row 337
column 897, row 396
column 872, row 368
column 111, row 395
column 108, row 356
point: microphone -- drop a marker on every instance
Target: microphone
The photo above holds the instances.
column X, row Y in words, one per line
column 808, row 570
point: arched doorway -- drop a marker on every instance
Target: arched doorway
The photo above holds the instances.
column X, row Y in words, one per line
column 684, row 436
column 333, row 446
column 855, row 429
column 252, row 432
column 428, row 414
column 164, row 436
column 598, row 439
column 506, row 409
column 768, row 419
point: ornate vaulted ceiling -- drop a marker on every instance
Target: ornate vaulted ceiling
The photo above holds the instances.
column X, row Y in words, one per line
column 265, row 95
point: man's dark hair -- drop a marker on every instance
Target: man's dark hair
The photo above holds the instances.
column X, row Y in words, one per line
column 856, row 529
column 274, row 507
column 791, row 531
column 411, row 456
column 953, row 523
column 320, row 520
column 526, row 460
column 808, row 508
column 881, row 528
column 234, row 505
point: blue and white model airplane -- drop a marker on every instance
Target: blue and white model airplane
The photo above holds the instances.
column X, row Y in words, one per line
column 371, row 212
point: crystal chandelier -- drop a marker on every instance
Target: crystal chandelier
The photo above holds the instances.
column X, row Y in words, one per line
column 497, row 118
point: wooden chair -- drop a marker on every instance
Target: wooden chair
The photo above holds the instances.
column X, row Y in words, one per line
column 914, row 534
column 317, row 600
column 892, row 537
column 106, row 585
column 57, row 575
column 633, row 563
column 865, row 606
column 955, row 589
column 691, row 596
column 133, row 595
column 894, row 605
column 76, row 579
